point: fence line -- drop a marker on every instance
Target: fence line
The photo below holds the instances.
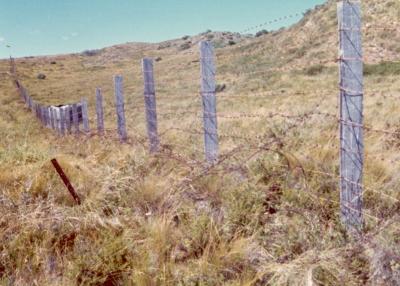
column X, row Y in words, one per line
column 350, row 118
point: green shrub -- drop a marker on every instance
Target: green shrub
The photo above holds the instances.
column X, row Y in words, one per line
column 261, row 33
column 382, row 69
column 314, row 70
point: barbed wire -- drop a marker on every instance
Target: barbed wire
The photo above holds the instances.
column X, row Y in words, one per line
column 276, row 20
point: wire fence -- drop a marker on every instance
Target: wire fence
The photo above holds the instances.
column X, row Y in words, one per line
column 240, row 138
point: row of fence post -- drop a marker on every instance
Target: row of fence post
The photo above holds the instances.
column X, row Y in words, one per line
column 67, row 119
column 208, row 93
column 351, row 110
column 60, row 119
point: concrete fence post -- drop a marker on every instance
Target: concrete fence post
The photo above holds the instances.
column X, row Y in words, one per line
column 351, row 114
column 68, row 119
column 75, row 118
column 209, row 101
column 99, row 111
column 150, row 102
column 119, row 103
column 85, row 116
column 62, row 122
column 52, row 123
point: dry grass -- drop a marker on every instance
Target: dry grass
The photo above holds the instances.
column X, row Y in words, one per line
column 164, row 220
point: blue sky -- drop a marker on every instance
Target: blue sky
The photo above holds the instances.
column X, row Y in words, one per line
column 43, row 27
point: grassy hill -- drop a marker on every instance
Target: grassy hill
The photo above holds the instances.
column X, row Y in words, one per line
column 268, row 214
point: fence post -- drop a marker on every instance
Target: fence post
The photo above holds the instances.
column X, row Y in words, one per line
column 99, row 111
column 32, row 105
column 44, row 111
column 56, row 118
column 68, row 123
column 12, row 66
column 85, row 116
column 75, row 118
column 37, row 111
column 42, row 115
column 62, row 122
column 351, row 114
column 45, row 116
column 119, row 101
column 52, row 124
column 24, row 95
column 150, row 101
column 209, row 101
column 48, row 121
column 29, row 102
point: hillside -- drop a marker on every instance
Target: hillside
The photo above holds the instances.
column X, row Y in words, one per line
column 268, row 214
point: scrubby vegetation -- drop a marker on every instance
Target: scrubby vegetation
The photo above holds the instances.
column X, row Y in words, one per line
column 382, row 69
column 268, row 214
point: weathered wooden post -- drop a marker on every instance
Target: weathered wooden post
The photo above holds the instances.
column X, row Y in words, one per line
column 38, row 111
column 46, row 116
column 29, row 102
column 35, row 107
column 150, row 101
column 13, row 68
column 62, row 122
column 75, row 118
column 351, row 114
column 56, row 116
column 52, row 119
column 33, row 104
column 85, row 116
column 99, row 111
column 119, row 102
column 68, row 122
column 42, row 115
column 48, row 123
column 209, row 101
column 24, row 95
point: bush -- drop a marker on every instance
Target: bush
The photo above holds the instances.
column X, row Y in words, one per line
column 382, row 69
column 231, row 43
column 220, row 87
column 185, row 46
column 164, row 46
column 90, row 53
column 185, row 37
column 315, row 70
column 261, row 33
column 41, row 76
